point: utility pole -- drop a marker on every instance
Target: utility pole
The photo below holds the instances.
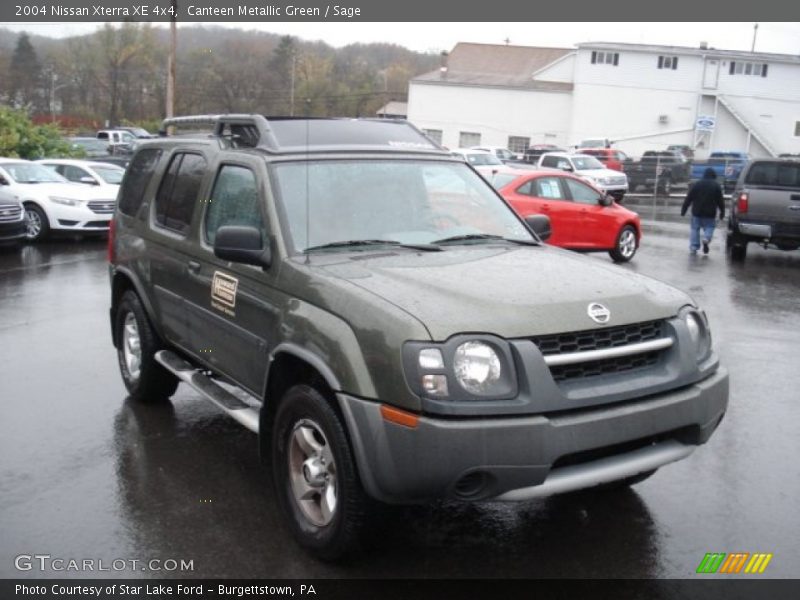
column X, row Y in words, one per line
column 291, row 92
column 171, row 60
column 755, row 33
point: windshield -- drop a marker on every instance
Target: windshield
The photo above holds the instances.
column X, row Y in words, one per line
column 585, row 163
column 499, row 180
column 410, row 202
column 32, row 173
column 479, row 159
column 111, row 175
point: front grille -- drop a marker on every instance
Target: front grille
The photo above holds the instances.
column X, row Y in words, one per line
column 599, row 339
column 102, row 207
column 10, row 213
column 618, row 181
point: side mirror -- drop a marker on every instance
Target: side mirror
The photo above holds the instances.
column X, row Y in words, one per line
column 3, row 180
column 89, row 180
column 540, row 225
column 606, row 200
column 568, row 168
column 241, row 244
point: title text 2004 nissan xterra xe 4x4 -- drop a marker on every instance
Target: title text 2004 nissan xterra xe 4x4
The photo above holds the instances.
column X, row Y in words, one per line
column 393, row 330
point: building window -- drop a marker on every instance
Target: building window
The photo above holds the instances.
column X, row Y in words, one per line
column 434, row 134
column 797, row 129
column 668, row 62
column 605, row 58
column 748, row 68
column 467, row 139
column 518, row 144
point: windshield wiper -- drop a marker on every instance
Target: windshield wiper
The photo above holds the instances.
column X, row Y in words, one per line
column 484, row 236
column 349, row 243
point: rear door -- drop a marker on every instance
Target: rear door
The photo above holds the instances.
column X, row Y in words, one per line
column 546, row 195
column 173, row 254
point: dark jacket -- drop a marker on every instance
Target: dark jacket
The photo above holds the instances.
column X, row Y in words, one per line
column 705, row 197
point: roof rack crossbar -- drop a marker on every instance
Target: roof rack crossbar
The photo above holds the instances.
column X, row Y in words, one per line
column 253, row 129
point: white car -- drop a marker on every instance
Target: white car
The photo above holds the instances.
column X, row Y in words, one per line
column 103, row 175
column 484, row 162
column 53, row 203
column 609, row 181
column 500, row 152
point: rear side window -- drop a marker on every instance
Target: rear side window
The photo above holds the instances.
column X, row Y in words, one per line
column 136, row 179
column 177, row 195
column 548, row 187
column 234, row 201
column 774, row 174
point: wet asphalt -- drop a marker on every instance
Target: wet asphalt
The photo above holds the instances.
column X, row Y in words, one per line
column 86, row 474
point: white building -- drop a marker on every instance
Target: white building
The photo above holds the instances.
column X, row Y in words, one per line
column 642, row 97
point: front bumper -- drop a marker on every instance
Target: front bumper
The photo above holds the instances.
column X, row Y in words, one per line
column 509, row 458
column 10, row 232
column 77, row 218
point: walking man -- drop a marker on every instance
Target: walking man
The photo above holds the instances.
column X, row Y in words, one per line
column 705, row 198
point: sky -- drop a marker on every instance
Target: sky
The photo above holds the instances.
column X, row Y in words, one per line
column 782, row 38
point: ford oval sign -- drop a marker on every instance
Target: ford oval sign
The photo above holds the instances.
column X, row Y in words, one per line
column 598, row 313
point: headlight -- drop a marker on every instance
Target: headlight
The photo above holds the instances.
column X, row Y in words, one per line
column 698, row 332
column 65, row 201
column 477, row 367
column 463, row 368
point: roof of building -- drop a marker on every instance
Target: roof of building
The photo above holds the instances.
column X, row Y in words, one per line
column 498, row 65
column 654, row 48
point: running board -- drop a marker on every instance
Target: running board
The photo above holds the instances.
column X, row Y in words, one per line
column 604, row 470
column 210, row 390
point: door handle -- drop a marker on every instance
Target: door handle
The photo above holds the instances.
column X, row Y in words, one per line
column 545, row 207
column 193, row 266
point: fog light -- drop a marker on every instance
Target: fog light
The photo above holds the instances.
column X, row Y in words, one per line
column 435, row 385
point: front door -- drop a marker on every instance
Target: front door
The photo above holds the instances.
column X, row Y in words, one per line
column 711, row 73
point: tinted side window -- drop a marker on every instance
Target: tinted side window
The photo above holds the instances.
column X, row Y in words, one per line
column 136, row 179
column 582, row 193
column 177, row 195
column 550, row 161
column 234, row 201
column 548, row 187
column 774, row 174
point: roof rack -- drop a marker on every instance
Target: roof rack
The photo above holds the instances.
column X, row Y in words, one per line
column 309, row 134
column 241, row 130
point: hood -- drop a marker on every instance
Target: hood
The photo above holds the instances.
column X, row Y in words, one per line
column 600, row 173
column 510, row 291
column 79, row 191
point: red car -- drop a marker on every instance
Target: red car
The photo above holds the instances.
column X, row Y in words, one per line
column 583, row 218
column 611, row 158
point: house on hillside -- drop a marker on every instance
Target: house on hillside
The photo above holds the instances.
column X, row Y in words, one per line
column 641, row 97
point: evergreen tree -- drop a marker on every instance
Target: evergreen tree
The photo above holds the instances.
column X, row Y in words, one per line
column 25, row 85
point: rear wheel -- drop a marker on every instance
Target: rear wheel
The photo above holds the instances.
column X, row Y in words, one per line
column 315, row 475
column 145, row 379
column 736, row 246
column 37, row 224
column 625, row 246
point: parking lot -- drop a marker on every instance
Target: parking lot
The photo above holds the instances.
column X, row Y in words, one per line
column 86, row 474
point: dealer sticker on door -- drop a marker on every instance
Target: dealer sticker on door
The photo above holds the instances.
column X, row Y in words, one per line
column 223, row 292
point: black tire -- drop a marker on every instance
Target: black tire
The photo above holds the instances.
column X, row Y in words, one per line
column 38, row 225
column 666, row 186
column 304, row 407
column 153, row 383
column 739, row 252
column 623, row 250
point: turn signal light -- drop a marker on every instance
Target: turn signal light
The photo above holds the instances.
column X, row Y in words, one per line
column 111, row 230
column 401, row 417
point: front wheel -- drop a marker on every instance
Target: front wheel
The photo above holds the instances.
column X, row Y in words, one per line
column 315, row 475
column 36, row 223
column 137, row 344
column 625, row 246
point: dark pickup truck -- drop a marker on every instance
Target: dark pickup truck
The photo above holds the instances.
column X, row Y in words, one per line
column 765, row 208
column 727, row 165
column 657, row 168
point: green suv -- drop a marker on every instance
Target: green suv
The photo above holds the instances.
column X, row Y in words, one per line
column 390, row 328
